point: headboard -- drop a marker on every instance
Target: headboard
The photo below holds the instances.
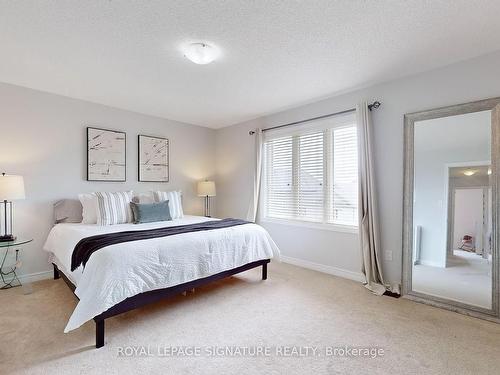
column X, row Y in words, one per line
column 68, row 211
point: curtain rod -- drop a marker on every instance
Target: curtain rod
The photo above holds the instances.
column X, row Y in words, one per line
column 374, row 105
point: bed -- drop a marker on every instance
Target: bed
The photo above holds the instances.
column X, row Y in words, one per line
column 127, row 275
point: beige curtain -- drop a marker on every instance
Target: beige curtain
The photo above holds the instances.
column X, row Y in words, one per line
column 369, row 235
column 254, row 202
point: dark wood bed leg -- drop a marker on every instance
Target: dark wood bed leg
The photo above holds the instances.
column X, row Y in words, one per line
column 99, row 333
column 56, row 272
column 264, row 271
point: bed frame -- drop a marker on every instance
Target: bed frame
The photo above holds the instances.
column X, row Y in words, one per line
column 152, row 296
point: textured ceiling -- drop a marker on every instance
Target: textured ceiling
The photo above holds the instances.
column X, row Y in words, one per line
column 275, row 54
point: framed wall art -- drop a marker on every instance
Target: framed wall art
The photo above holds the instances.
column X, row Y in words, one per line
column 153, row 159
column 106, row 155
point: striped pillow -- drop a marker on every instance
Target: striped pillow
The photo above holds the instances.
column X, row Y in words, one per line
column 174, row 202
column 114, row 208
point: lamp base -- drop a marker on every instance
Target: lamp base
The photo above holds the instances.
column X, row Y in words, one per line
column 207, row 206
column 7, row 238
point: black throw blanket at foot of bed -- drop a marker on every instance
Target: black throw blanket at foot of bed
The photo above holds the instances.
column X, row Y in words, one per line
column 87, row 246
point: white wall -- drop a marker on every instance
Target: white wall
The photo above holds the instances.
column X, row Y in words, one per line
column 43, row 138
column 463, row 82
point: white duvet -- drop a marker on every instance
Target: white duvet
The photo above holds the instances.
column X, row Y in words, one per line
column 119, row 271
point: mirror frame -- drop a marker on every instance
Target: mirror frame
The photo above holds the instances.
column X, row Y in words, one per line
column 493, row 104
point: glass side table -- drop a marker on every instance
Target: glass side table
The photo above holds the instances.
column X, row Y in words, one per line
column 8, row 273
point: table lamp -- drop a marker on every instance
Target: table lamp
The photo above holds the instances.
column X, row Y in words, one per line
column 11, row 188
column 206, row 189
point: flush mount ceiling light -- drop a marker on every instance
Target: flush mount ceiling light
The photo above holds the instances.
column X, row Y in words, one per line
column 201, row 53
column 469, row 173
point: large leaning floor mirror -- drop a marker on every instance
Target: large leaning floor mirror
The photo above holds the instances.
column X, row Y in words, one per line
column 451, row 219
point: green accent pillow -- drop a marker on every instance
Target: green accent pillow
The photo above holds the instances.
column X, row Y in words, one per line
column 150, row 212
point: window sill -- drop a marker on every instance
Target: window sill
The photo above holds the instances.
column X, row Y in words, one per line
column 312, row 225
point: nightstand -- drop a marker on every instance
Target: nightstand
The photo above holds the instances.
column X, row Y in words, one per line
column 8, row 274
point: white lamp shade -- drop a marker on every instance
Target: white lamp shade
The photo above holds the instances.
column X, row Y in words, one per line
column 206, row 188
column 11, row 187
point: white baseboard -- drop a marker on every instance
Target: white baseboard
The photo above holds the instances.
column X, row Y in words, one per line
column 335, row 271
column 346, row 274
column 37, row 276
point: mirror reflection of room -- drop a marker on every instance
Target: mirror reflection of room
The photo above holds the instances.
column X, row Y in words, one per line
column 452, row 216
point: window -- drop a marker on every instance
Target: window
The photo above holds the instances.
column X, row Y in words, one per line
column 311, row 172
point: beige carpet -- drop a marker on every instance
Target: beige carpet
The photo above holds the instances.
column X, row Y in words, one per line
column 293, row 307
column 467, row 279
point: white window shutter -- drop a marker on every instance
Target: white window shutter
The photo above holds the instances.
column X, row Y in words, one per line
column 345, row 177
column 279, row 178
column 312, row 176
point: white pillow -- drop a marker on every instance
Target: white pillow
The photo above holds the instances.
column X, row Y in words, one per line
column 174, row 199
column 89, row 204
column 114, row 208
column 144, row 198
